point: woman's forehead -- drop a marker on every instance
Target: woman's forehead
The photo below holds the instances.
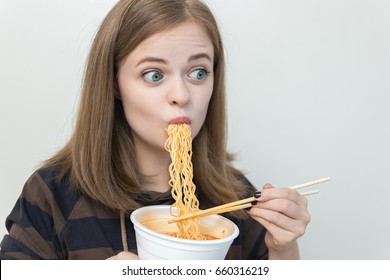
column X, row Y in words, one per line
column 187, row 39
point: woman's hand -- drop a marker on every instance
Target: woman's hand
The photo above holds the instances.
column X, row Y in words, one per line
column 283, row 212
column 124, row 256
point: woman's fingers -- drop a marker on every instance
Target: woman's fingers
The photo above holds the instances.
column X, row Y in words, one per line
column 283, row 212
column 284, row 206
column 269, row 193
column 124, row 256
column 275, row 221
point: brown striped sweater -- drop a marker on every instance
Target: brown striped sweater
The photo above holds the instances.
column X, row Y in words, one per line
column 51, row 221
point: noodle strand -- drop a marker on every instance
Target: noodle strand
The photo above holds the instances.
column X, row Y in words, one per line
column 179, row 146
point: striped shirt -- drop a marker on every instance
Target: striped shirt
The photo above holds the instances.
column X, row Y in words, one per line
column 51, row 221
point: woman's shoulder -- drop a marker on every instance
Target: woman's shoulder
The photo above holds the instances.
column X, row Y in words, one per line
column 46, row 188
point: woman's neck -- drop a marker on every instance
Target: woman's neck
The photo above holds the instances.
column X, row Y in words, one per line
column 153, row 163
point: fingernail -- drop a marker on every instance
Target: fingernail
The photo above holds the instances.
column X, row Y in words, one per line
column 254, row 202
column 257, row 194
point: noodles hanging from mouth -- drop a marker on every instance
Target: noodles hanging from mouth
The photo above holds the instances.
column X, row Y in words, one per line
column 179, row 146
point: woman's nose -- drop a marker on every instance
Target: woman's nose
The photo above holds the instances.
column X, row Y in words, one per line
column 179, row 93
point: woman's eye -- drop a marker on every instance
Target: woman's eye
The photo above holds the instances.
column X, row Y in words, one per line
column 198, row 74
column 153, row 76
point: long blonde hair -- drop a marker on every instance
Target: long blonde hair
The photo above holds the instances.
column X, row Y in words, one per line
column 100, row 155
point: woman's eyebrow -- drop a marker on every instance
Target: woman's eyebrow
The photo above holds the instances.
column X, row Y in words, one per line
column 152, row 59
column 199, row 56
column 163, row 61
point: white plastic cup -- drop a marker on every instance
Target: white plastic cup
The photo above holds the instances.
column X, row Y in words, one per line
column 151, row 224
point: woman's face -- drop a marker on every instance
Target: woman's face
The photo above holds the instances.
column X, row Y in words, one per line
column 168, row 78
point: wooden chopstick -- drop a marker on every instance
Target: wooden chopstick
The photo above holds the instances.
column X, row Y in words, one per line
column 311, row 183
column 214, row 209
column 243, row 203
column 309, row 192
column 230, row 209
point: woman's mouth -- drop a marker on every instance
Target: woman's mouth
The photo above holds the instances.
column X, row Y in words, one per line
column 180, row 120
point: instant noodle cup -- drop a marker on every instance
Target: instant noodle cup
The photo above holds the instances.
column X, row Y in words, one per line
column 153, row 242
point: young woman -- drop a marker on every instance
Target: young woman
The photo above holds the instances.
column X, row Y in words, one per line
column 151, row 63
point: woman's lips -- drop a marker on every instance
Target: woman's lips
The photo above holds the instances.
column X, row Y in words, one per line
column 180, row 120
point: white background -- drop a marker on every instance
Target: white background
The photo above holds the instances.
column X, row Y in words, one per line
column 308, row 94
